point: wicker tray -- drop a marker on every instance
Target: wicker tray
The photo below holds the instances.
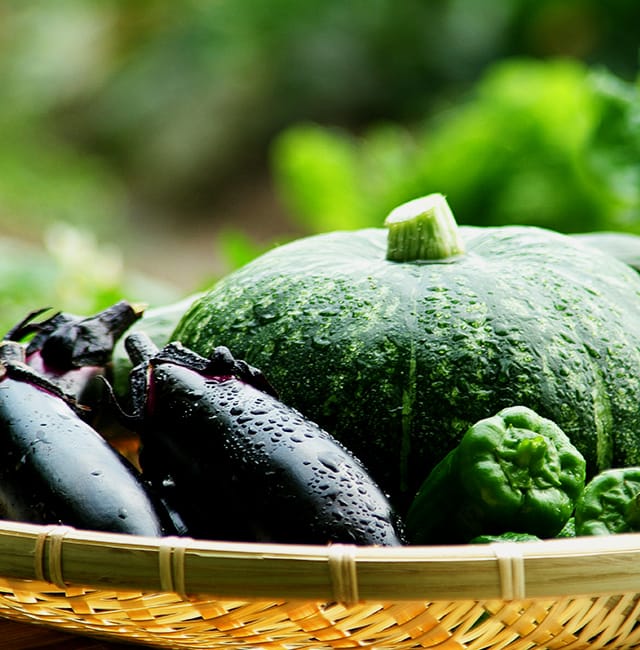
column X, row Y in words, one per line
column 184, row 593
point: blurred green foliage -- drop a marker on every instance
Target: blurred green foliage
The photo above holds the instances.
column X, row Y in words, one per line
column 121, row 118
column 550, row 143
column 114, row 109
column 74, row 273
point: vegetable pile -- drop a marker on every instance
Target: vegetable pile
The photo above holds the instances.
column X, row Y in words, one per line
column 426, row 384
column 397, row 340
column 55, row 467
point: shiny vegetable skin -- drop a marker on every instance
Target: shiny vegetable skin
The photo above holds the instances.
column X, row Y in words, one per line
column 54, row 468
column 515, row 472
column 610, row 503
column 241, row 464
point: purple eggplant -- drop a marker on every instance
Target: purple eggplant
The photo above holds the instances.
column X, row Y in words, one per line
column 238, row 464
column 72, row 351
column 54, row 468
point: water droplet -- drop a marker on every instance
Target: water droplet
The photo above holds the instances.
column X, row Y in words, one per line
column 192, row 395
column 330, row 310
column 321, row 341
column 332, row 462
column 265, row 313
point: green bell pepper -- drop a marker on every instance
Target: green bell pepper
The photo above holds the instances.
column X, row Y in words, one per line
column 514, row 472
column 569, row 529
column 610, row 503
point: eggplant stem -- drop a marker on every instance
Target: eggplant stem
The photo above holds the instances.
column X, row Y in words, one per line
column 140, row 348
column 27, row 327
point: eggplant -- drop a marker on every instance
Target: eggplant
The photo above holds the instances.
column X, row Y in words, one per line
column 239, row 464
column 56, row 469
column 73, row 351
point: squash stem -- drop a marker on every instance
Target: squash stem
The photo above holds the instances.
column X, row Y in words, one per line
column 423, row 229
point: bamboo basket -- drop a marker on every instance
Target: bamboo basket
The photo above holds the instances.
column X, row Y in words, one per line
column 184, row 593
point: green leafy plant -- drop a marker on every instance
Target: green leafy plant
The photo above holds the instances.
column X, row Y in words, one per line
column 548, row 143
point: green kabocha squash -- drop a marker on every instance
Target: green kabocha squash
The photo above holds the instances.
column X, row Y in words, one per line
column 397, row 340
column 621, row 245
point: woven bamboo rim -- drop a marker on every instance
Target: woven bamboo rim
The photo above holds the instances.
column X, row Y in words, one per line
column 180, row 592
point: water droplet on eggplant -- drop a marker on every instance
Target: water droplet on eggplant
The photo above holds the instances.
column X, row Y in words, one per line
column 330, row 461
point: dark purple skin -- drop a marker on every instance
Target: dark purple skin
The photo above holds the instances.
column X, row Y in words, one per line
column 73, row 352
column 56, row 469
column 239, row 464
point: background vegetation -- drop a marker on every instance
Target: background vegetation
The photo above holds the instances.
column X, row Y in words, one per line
column 148, row 147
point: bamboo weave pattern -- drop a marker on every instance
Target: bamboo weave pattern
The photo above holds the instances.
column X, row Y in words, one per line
column 343, row 609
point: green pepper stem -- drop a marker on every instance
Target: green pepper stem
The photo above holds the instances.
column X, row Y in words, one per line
column 530, row 451
column 423, row 229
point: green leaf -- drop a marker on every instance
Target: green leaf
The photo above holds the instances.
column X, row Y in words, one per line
column 317, row 172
